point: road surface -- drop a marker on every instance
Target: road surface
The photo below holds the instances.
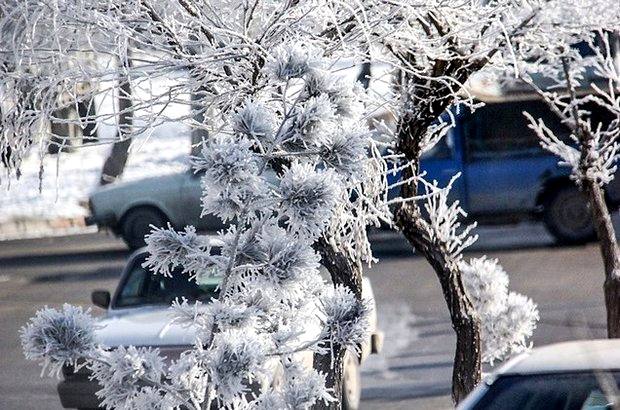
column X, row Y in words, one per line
column 414, row 370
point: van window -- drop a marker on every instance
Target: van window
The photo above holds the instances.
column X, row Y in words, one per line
column 501, row 130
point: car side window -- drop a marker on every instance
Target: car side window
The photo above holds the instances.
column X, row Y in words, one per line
column 502, row 130
column 132, row 291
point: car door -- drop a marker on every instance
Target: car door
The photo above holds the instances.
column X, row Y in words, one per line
column 440, row 164
column 505, row 166
column 443, row 162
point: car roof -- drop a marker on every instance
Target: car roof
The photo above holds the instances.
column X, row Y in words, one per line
column 575, row 356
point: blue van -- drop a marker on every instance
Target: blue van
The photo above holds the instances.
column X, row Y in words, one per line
column 506, row 176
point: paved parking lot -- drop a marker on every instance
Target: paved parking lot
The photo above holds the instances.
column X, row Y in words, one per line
column 414, row 370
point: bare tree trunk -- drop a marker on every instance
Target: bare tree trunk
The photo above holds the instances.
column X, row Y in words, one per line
column 466, row 372
column 610, row 253
column 343, row 272
column 86, row 109
column 332, row 365
column 114, row 164
column 198, row 134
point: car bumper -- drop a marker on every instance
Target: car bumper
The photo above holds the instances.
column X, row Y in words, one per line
column 90, row 220
column 78, row 393
column 102, row 222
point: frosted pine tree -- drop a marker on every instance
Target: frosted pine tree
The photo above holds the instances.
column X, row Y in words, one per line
column 279, row 168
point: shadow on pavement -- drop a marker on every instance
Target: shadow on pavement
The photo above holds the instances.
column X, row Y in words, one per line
column 81, row 276
column 66, row 258
column 397, row 393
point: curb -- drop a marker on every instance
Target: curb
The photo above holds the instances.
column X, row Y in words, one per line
column 42, row 228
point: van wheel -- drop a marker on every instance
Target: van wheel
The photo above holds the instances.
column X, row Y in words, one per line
column 351, row 383
column 137, row 223
column 568, row 216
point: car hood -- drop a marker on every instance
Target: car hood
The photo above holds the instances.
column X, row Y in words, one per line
column 143, row 327
column 151, row 326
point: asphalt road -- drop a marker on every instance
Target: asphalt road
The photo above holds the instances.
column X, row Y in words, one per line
column 414, row 370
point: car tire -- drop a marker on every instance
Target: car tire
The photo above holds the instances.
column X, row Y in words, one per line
column 137, row 223
column 351, row 383
column 568, row 217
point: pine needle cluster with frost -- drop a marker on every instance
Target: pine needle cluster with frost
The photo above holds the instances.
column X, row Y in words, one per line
column 508, row 319
column 59, row 337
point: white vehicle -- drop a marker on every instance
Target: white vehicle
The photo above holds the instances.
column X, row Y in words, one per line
column 580, row 375
column 138, row 314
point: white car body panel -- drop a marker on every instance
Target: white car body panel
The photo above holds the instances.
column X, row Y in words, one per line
column 559, row 358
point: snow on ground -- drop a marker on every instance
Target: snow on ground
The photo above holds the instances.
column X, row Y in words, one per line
column 68, row 179
column 397, row 322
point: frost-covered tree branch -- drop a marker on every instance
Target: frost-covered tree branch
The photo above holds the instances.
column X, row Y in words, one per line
column 582, row 92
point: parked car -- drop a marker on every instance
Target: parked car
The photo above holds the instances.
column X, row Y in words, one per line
column 506, row 176
column 138, row 314
column 579, row 375
column 129, row 208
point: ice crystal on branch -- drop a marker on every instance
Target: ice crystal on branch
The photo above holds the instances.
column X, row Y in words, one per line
column 346, row 317
column 59, row 337
column 311, row 124
column 293, row 60
column 235, row 361
column 169, row 249
column 124, row 374
column 346, row 151
column 307, row 198
column 508, row 319
column 444, row 219
column 228, row 162
column 343, row 96
column 303, row 387
column 288, row 258
column 254, row 120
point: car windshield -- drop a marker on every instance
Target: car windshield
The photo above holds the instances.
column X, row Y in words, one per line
column 574, row 391
column 141, row 287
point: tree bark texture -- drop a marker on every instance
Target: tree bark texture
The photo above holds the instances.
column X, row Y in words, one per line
column 467, row 360
column 610, row 253
column 409, row 219
column 114, row 164
column 332, row 365
column 605, row 232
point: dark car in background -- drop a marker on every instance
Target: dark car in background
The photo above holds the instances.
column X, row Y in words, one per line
column 506, row 176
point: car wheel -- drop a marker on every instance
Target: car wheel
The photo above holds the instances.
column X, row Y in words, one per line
column 568, row 216
column 137, row 223
column 351, row 383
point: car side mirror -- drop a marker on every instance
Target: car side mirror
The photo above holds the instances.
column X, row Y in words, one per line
column 100, row 298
